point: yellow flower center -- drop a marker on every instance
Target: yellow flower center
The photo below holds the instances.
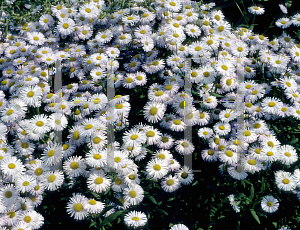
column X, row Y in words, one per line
column 9, row 112
column 30, row 94
column 74, row 165
column 27, row 219
column 157, row 167
column 39, row 123
column 97, row 140
column 286, row 181
column 38, row 171
column 78, row 207
column 98, row 180
column 51, row 178
column 252, row 162
column 132, row 193
column 11, row 166
column 272, row 104
column 66, row 25
column 224, row 67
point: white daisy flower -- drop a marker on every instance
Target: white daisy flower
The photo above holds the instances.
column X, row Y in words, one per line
column 46, row 21
column 269, row 204
column 75, row 207
column 205, row 133
column 251, row 165
column 11, row 113
column 179, row 227
column 98, row 182
column 52, row 154
column 225, row 67
column 134, row 137
column 89, row 11
column 74, row 166
column 53, row 180
column 184, row 147
column 154, row 112
column 135, row 219
column 207, row 6
column 237, row 172
column 296, row 20
column 256, row 10
column 283, row 23
column 170, row 184
column 271, row 105
column 12, row 167
column 31, row 219
column 197, row 48
column 104, row 36
column 112, row 52
column 173, row 5
column 25, row 183
column 177, row 125
column 134, row 194
column 39, row 124
column 185, row 175
column 285, row 180
column 270, row 154
column 210, row 102
column 36, row 38
column 9, row 195
column 222, row 128
column 130, row 19
column 156, row 169
column 31, row 96
column 233, row 203
column 283, row 8
column 192, row 30
column 288, row 154
column 148, row 43
column 94, row 206
column 66, row 26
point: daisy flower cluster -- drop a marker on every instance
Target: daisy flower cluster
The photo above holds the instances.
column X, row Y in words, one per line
column 92, row 49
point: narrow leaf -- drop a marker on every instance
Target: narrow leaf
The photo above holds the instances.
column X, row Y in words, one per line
column 215, row 94
column 116, row 201
column 152, row 199
column 255, row 216
column 112, row 217
column 251, row 192
column 196, row 182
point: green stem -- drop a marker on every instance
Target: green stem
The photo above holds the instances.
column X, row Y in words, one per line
column 245, row 17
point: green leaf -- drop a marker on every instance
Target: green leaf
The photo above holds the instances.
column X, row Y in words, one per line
column 196, row 182
column 112, row 217
column 119, row 220
column 248, row 182
column 262, row 188
column 152, row 199
column 172, row 198
column 92, row 224
column 215, row 94
column 164, row 212
column 116, row 201
column 274, row 224
column 294, row 141
column 251, row 192
column 96, row 195
column 255, row 216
